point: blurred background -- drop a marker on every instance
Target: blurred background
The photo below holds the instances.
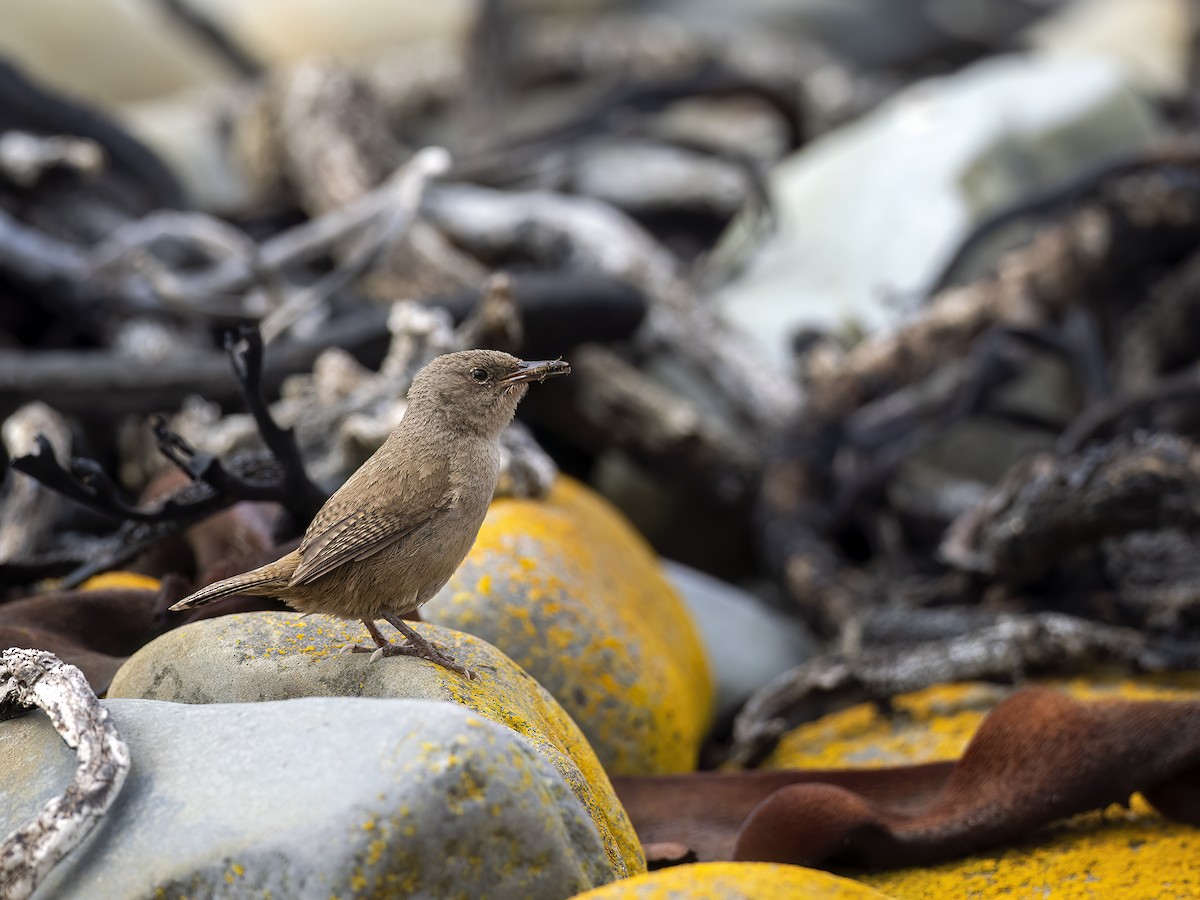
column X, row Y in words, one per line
column 721, row 214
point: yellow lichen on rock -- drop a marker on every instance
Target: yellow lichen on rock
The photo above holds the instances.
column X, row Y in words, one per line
column 734, row 881
column 108, row 580
column 937, row 723
column 567, row 588
column 250, row 657
column 1116, row 852
column 928, row 726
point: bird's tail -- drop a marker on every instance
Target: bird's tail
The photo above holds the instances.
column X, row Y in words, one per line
column 263, row 582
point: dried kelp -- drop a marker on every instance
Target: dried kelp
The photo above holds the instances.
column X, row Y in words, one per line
column 1039, row 756
column 278, row 475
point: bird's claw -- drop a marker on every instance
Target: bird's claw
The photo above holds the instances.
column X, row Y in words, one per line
column 431, row 652
column 447, row 663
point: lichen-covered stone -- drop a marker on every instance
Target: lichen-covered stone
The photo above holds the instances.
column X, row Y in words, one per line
column 735, row 881
column 1116, row 852
column 313, row 798
column 252, row 657
column 568, row 590
column 108, row 580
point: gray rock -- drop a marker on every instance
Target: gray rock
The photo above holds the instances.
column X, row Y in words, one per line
column 269, row 656
column 748, row 643
column 313, row 798
column 868, row 213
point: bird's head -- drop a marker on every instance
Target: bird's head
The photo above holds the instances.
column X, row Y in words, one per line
column 478, row 389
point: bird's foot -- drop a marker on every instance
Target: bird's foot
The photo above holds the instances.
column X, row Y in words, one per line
column 356, row 648
column 423, row 650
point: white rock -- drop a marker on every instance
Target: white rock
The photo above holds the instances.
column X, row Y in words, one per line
column 872, row 210
column 748, row 643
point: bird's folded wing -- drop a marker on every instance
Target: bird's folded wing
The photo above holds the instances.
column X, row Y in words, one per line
column 364, row 531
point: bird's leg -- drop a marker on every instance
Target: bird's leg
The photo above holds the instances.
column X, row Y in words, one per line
column 415, row 645
column 379, row 639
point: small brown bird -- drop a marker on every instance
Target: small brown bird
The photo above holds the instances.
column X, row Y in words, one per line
column 395, row 532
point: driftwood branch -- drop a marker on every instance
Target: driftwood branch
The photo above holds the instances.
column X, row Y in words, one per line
column 1048, row 507
column 1055, row 200
column 28, row 509
column 401, row 195
column 624, row 408
column 1137, row 218
column 496, row 320
column 32, row 678
column 1132, row 410
column 129, row 268
column 558, row 310
column 25, row 158
column 80, row 382
column 1158, row 334
column 84, row 481
column 557, row 229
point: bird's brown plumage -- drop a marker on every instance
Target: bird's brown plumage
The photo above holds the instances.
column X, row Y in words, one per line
column 394, row 533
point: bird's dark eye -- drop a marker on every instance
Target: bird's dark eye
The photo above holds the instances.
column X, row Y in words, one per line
column 480, row 375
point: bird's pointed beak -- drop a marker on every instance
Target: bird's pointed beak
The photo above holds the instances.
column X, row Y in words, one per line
column 537, row 370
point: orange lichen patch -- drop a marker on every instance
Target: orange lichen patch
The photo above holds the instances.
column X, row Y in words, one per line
column 1116, row 852
column 109, row 580
column 734, row 881
column 567, row 588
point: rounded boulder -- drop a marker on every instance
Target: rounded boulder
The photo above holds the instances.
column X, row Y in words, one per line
column 569, row 590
